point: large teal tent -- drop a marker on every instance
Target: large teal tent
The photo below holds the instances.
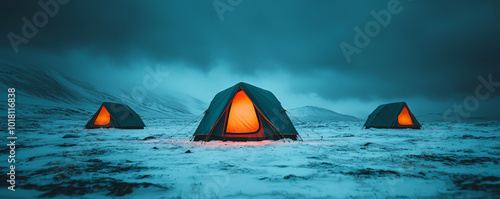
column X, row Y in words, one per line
column 393, row 115
column 245, row 112
column 113, row 115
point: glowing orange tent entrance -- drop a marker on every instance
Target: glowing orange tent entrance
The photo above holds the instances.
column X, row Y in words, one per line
column 404, row 118
column 242, row 115
column 113, row 115
column 103, row 118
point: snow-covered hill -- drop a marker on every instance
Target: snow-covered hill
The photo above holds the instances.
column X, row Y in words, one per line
column 35, row 87
column 313, row 113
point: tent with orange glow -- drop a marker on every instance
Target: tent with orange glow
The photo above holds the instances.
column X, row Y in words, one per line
column 113, row 115
column 393, row 115
column 245, row 112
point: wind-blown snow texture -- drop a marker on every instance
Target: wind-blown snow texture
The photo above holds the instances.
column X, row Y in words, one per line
column 58, row 158
column 50, row 88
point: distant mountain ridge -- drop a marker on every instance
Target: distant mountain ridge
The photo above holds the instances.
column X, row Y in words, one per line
column 439, row 117
column 51, row 88
column 313, row 113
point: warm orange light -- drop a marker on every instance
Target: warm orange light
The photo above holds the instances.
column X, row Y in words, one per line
column 404, row 118
column 242, row 116
column 103, row 117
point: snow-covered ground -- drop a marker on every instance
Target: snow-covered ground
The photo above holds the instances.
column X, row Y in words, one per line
column 58, row 158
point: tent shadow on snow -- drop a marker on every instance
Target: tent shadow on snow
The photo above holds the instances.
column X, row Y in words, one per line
column 113, row 115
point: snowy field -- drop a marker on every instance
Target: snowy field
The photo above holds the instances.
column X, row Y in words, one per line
column 58, row 158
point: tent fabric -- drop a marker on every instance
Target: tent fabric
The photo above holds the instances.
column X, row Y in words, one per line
column 273, row 119
column 113, row 115
column 393, row 115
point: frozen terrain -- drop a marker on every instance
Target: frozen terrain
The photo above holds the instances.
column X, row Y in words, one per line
column 58, row 158
column 337, row 159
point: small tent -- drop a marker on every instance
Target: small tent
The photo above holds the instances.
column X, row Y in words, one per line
column 393, row 115
column 245, row 112
column 113, row 115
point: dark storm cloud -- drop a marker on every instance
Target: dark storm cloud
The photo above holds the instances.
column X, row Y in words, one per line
column 293, row 33
column 430, row 49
